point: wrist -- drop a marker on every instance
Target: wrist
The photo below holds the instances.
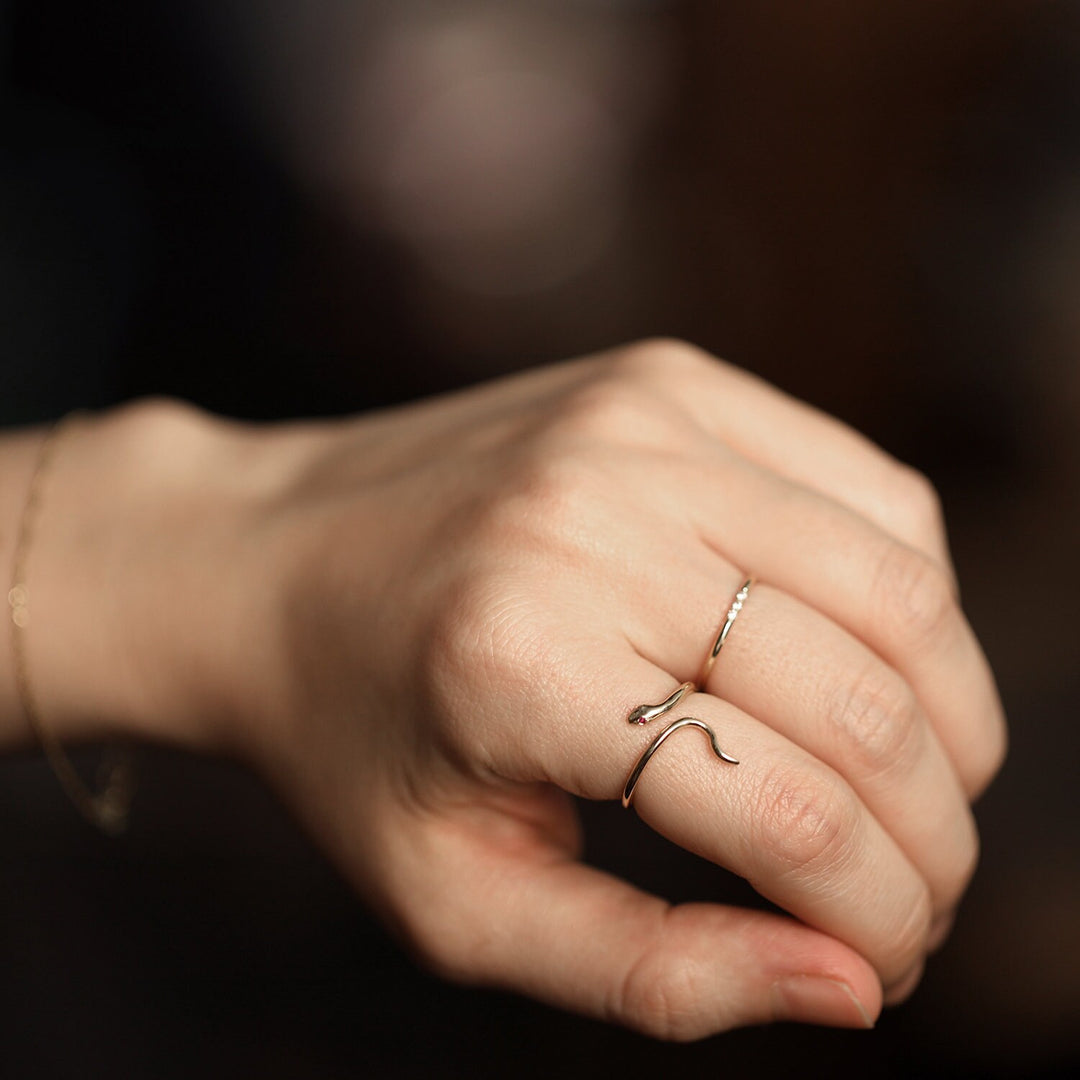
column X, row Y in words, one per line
column 19, row 452
column 137, row 593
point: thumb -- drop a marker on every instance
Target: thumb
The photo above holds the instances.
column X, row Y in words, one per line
column 583, row 940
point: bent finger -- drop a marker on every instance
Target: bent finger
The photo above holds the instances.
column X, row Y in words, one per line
column 808, row 679
column 803, row 444
column 781, row 819
column 580, row 939
column 889, row 595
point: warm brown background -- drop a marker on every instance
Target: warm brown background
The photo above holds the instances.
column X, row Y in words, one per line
column 876, row 205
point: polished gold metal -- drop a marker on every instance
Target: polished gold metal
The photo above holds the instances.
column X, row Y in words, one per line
column 646, row 757
column 108, row 808
column 643, row 714
column 729, row 622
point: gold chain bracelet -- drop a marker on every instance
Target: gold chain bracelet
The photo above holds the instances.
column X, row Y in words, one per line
column 107, row 808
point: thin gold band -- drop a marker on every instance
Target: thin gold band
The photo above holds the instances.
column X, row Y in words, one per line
column 729, row 622
column 107, row 809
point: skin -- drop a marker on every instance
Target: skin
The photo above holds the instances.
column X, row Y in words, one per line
column 425, row 627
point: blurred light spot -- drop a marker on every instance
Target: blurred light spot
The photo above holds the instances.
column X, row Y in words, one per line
column 505, row 181
column 492, row 138
column 496, row 145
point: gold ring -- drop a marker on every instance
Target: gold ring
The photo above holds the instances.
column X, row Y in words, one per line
column 729, row 622
column 643, row 714
column 639, row 768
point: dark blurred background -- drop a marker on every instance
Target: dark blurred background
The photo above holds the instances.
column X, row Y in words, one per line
column 314, row 206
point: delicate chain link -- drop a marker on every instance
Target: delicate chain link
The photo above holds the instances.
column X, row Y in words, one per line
column 107, row 808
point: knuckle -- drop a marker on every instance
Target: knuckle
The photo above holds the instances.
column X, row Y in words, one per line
column 612, row 406
column 546, row 496
column 658, row 998
column 428, row 896
column 918, row 500
column 157, row 410
column 549, row 494
column 878, row 722
column 542, row 527
column 805, row 820
column 162, row 428
column 662, row 356
column 994, row 749
column 628, row 397
column 963, row 871
column 915, row 597
column 450, row 949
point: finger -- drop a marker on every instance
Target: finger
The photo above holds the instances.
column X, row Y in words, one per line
column 767, row 426
column 756, row 419
column 808, row 679
column 781, row 819
column 887, row 594
column 515, row 913
column 805, row 445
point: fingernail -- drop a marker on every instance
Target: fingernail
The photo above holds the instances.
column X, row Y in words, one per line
column 819, row 1000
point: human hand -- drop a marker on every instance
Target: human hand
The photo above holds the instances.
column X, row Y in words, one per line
column 430, row 624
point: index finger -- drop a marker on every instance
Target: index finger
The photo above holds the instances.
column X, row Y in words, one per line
column 781, row 819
